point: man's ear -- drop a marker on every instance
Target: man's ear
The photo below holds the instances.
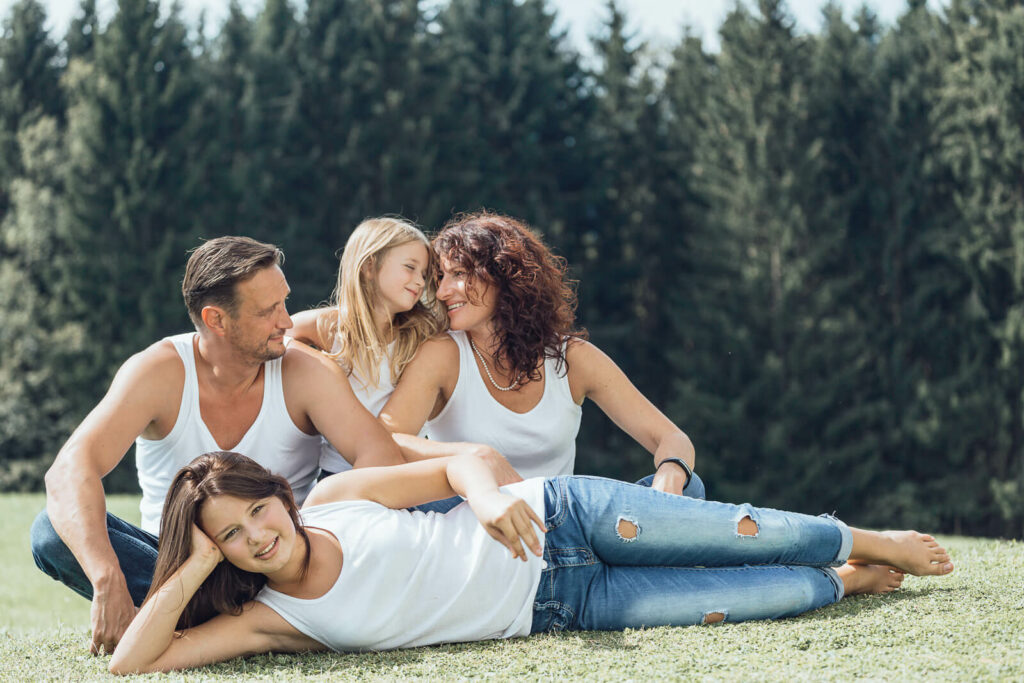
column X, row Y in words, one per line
column 214, row 317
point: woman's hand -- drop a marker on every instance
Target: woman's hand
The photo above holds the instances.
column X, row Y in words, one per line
column 509, row 520
column 204, row 549
column 500, row 467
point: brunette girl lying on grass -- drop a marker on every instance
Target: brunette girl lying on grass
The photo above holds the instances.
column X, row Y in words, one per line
column 242, row 571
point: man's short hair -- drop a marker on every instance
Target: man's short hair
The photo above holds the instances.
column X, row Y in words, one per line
column 217, row 266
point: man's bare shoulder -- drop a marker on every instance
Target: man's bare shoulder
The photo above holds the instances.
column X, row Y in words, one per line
column 158, row 364
column 306, row 361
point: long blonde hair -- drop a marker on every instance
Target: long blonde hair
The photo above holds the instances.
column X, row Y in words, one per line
column 356, row 343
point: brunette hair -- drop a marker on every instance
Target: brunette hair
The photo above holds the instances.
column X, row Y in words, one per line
column 219, row 473
column 217, row 266
column 536, row 302
column 353, row 340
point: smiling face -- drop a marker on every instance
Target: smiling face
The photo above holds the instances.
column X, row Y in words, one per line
column 401, row 277
column 470, row 303
column 255, row 535
column 256, row 330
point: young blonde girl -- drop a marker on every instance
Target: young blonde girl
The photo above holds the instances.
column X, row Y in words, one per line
column 382, row 309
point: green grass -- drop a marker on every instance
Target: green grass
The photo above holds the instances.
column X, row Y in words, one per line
column 968, row 626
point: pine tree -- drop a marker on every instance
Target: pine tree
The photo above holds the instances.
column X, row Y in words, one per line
column 82, row 32
column 364, row 124
column 29, row 84
column 982, row 135
column 752, row 159
column 629, row 256
column 130, row 191
column 515, row 110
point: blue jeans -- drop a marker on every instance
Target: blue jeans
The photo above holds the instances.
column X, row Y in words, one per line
column 621, row 556
column 694, row 489
column 135, row 550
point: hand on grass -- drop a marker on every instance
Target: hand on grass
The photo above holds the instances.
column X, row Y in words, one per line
column 509, row 520
column 111, row 612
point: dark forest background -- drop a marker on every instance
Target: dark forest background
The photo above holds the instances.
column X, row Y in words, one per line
column 807, row 248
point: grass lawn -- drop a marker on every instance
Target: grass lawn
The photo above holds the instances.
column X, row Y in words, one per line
column 968, row 626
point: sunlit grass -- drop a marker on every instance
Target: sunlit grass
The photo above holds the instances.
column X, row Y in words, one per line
column 968, row 626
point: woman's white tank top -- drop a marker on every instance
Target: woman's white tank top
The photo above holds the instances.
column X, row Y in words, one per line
column 411, row 578
column 273, row 440
column 538, row 443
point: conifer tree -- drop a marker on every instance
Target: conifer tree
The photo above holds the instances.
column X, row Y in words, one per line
column 515, row 113
column 40, row 402
column 982, row 130
column 130, row 191
column 29, row 83
column 630, row 253
column 82, row 32
column 754, row 158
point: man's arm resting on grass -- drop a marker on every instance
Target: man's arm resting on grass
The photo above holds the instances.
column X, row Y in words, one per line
column 75, row 500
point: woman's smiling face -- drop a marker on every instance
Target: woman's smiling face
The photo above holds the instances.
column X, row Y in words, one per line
column 470, row 303
column 254, row 535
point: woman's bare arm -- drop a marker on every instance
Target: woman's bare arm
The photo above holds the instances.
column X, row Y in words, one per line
column 151, row 643
column 594, row 375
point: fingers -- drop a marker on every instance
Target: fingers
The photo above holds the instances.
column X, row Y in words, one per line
column 102, row 642
column 516, row 528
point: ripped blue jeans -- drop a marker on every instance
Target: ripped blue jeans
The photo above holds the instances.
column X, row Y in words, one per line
column 623, row 556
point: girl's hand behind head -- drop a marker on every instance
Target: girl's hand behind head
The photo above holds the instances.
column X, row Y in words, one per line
column 203, row 547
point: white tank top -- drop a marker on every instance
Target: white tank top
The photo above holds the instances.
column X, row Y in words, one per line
column 538, row 443
column 414, row 578
column 372, row 399
column 273, row 440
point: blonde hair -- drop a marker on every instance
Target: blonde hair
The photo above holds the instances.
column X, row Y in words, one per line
column 356, row 343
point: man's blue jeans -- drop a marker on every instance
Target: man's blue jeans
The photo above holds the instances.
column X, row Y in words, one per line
column 621, row 556
column 694, row 489
column 135, row 550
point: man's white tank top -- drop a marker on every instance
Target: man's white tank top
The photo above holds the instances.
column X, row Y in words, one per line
column 537, row 443
column 273, row 440
column 410, row 578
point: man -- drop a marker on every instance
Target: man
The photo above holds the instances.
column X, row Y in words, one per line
column 232, row 385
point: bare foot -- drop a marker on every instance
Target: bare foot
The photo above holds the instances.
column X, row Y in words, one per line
column 909, row 551
column 871, row 579
column 918, row 554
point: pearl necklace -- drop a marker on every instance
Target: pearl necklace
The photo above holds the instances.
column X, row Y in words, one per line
column 510, row 387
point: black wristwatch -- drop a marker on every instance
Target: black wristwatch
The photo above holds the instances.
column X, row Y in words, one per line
column 681, row 463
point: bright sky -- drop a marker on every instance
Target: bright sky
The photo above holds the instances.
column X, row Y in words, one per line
column 658, row 21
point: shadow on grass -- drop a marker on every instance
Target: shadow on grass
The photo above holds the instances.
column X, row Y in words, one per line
column 863, row 604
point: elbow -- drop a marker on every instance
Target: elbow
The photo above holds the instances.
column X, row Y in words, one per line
column 119, row 667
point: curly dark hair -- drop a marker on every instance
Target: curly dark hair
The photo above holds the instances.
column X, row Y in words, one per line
column 535, row 311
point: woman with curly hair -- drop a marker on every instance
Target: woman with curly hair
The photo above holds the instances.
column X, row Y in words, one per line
column 514, row 368
column 383, row 309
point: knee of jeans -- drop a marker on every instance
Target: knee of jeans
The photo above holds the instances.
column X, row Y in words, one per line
column 695, row 488
column 627, row 529
column 746, row 525
column 44, row 540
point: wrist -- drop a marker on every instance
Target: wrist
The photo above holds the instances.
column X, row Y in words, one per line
column 687, row 471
